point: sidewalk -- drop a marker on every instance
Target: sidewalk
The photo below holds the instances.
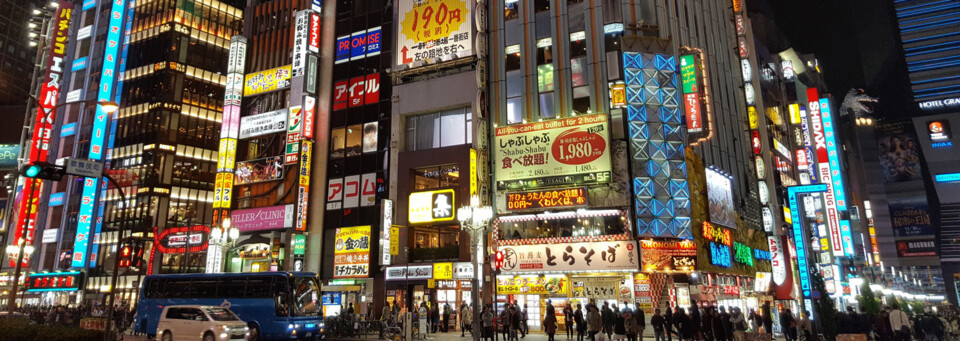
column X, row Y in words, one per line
column 533, row 336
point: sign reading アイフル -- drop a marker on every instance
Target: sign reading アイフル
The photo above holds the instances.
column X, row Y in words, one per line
column 430, row 30
column 558, row 152
column 590, row 256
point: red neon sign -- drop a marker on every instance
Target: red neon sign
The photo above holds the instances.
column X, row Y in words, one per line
column 717, row 234
column 182, row 239
column 756, row 141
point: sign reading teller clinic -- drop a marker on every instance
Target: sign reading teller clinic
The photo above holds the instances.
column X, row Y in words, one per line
column 265, row 218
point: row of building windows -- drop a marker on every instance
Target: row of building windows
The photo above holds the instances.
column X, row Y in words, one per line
column 440, row 129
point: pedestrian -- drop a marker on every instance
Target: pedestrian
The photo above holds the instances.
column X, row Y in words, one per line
column 657, row 321
column 804, row 327
column 717, row 326
column 631, row 326
column 505, row 322
column 515, row 321
column 581, row 323
column 568, row 320
column 550, row 321
column 668, row 324
column 739, row 323
column 608, row 320
column 594, row 322
column 767, row 318
column 641, row 318
column 685, row 325
column 463, row 318
column 524, row 327
column 899, row 323
column 788, row 325
column 446, row 317
column 486, row 318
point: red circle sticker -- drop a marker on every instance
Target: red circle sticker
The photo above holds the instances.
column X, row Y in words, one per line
column 577, row 147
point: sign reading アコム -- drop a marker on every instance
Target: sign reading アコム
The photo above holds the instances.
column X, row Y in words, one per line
column 573, row 150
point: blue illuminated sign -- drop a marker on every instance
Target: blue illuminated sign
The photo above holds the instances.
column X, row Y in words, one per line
column 88, row 4
column 798, row 238
column 948, row 177
column 68, row 129
column 79, row 64
column 761, row 254
column 330, row 298
column 8, row 155
column 98, row 134
column 941, row 144
column 373, row 42
column 720, row 255
column 56, row 199
column 358, row 45
column 833, row 158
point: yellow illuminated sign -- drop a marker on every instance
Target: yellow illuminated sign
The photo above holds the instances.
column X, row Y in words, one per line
column 442, row 270
column 395, row 241
column 752, row 116
column 774, row 114
column 431, row 206
column 473, row 171
column 795, row 113
column 266, row 81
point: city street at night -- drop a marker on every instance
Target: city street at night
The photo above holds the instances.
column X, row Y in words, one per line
column 704, row 170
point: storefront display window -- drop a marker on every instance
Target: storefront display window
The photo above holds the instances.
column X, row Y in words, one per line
column 436, row 177
column 563, row 227
column 435, row 237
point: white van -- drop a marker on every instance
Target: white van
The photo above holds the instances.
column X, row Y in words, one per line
column 200, row 322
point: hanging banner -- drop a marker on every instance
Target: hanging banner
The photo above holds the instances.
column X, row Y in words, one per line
column 602, row 288
column 590, row 256
column 553, row 285
column 352, row 252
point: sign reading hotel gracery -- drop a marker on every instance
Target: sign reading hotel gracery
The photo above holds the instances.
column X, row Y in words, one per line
column 264, row 218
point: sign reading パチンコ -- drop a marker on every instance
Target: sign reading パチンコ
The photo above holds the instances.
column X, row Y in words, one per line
column 558, row 152
column 433, row 29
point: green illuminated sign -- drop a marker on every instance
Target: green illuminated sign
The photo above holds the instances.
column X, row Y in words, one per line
column 299, row 244
column 688, row 74
column 743, row 254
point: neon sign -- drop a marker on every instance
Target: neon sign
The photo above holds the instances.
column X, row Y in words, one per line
column 547, row 199
column 798, row 237
column 182, row 239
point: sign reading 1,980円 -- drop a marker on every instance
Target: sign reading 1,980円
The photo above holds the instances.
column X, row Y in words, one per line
column 558, row 152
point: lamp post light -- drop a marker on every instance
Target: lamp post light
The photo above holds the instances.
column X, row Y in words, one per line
column 475, row 218
column 224, row 237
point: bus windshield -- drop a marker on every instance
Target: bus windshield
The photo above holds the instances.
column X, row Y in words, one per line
column 306, row 294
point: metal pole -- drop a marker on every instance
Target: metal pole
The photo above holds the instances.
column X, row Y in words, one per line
column 116, row 266
column 475, row 288
column 12, row 298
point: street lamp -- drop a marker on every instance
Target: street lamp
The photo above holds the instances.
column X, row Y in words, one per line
column 224, row 237
column 475, row 218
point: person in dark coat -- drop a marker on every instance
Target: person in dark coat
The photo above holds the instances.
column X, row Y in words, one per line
column 606, row 314
column 717, row 326
column 685, row 325
column 668, row 324
column 578, row 318
column 725, row 321
column 767, row 318
column 619, row 326
column 550, row 322
column 568, row 320
column 658, row 322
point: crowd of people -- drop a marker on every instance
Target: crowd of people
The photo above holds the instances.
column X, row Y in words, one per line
column 70, row 315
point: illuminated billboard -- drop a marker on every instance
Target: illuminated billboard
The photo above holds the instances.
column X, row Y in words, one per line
column 824, row 172
column 352, row 252
column 573, row 150
column 266, row 81
column 433, row 29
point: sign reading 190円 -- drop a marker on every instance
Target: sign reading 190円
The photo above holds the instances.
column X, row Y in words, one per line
column 558, row 152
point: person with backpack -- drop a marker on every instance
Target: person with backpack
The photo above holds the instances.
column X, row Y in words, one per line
column 739, row 323
column 899, row 323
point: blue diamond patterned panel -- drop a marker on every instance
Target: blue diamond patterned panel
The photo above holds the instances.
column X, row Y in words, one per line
column 655, row 129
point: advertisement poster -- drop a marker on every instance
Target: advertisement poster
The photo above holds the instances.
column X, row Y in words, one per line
column 565, row 151
column 665, row 255
column 262, row 124
column 591, row 256
column 433, row 29
column 266, row 81
column 720, row 197
column 555, row 285
column 603, row 288
column 899, row 152
column 352, row 252
column 264, row 218
column 910, row 217
column 259, row 170
column 370, row 131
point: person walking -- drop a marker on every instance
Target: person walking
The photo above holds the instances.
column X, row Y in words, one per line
column 486, row 320
column 568, row 320
column 550, row 322
column 524, row 327
column 505, row 322
column 435, row 318
column 684, row 324
column 739, row 324
column 788, row 325
column 767, row 318
column 632, row 327
column 462, row 314
column 581, row 323
column 515, row 321
column 899, row 323
column 619, row 326
column 668, row 324
column 594, row 322
column 446, row 317
column 657, row 321
column 608, row 320
column 804, row 327
column 717, row 326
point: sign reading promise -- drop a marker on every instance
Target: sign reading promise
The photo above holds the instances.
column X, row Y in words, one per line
column 558, row 152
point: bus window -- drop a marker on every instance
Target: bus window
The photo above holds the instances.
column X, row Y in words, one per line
column 281, row 295
column 258, row 287
column 305, row 297
column 232, row 288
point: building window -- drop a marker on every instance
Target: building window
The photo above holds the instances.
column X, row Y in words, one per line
column 580, row 72
column 511, row 9
column 434, row 177
column 442, row 129
column 514, row 84
column 563, row 227
column 545, row 77
column 542, row 5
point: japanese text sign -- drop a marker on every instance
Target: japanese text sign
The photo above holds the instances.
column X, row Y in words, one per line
column 592, row 256
column 432, row 29
column 352, row 252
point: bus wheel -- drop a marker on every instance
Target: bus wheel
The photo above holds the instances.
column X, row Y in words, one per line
column 254, row 333
column 167, row 336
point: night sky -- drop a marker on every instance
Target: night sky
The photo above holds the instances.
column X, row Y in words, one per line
column 858, row 45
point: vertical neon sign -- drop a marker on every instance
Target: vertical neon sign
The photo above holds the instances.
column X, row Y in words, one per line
column 798, row 237
column 824, row 171
column 98, row 133
column 833, row 158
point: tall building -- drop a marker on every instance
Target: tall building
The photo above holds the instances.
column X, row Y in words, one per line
column 928, row 32
column 19, row 28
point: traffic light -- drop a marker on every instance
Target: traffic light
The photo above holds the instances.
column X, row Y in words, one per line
column 43, row 171
column 125, row 254
column 498, row 259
